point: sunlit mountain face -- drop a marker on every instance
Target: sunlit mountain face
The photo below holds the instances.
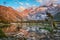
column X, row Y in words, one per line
column 39, row 13
column 8, row 14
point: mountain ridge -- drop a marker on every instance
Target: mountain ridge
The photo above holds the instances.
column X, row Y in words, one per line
column 8, row 14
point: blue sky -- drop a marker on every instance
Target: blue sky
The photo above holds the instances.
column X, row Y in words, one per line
column 18, row 3
column 24, row 3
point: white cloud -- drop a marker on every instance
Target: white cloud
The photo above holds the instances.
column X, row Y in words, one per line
column 27, row 4
column 21, row 3
column 39, row 0
column 21, row 8
column 44, row 2
column 33, row 5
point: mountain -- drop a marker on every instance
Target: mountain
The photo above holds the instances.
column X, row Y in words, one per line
column 39, row 13
column 35, row 13
column 8, row 14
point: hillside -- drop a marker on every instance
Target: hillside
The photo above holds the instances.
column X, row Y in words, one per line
column 8, row 14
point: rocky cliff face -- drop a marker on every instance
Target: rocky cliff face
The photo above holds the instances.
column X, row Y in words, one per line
column 8, row 14
column 39, row 13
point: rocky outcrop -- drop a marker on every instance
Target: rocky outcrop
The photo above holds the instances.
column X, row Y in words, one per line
column 8, row 14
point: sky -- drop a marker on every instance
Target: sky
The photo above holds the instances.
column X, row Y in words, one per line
column 18, row 3
column 25, row 3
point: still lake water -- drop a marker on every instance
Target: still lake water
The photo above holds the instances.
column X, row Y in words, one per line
column 39, row 33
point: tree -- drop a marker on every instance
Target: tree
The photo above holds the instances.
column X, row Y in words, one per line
column 51, row 19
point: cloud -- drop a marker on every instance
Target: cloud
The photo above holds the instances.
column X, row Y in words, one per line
column 21, row 8
column 21, row 3
column 56, row 1
column 33, row 5
column 27, row 4
column 39, row 0
column 44, row 2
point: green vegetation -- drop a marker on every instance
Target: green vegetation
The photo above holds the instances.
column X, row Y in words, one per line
column 2, row 34
column 49, row 29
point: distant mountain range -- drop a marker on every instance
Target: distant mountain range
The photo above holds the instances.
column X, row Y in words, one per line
column 8, row 14
column 39, row 13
